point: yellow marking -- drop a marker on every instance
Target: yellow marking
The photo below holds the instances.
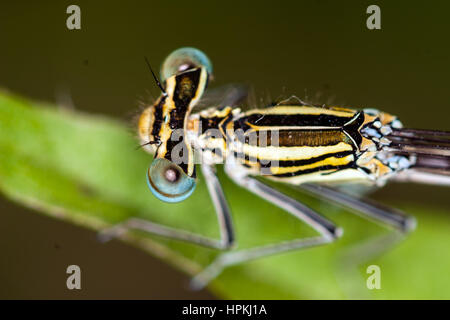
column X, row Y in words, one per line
column 365, row 158
column 165, row 130
column 377, row 168
column 198, row 94
column 215, row 143
column 291, row 153
column 213, row 112
column 230, row 128
column 367, row 119
column 367, row 144
column 168, row 106
column 145, row 126
column 256, row 127
column 200, row 89
column 146, row 123
column 386, row 118
column 329, row 176
column 231, row 123
column 328, row 161
column 293, row 110
column 337, row 108
column 223, row 113
column 193, row 125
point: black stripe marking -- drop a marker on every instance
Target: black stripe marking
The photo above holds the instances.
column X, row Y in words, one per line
column 158, row 116
column 295, row 163
column 266, row 163
column 321, row 168
column 353, row 128
column 186, row 86
column 300, row 120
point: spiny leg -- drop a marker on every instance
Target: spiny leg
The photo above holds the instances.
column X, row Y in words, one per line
column 365, row 208
column 223, row 217
column 328, row 231
column 396, row 220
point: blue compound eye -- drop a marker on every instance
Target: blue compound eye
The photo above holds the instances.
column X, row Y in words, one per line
column 168, row 182
column 184, row 59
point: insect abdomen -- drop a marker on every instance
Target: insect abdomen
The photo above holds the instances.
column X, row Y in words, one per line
column 288, row 141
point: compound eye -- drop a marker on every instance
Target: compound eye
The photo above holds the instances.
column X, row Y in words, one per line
column 184, row 59
column 168, row 182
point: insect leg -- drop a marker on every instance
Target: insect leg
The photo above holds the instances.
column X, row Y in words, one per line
column 328, row 231
column 223, row 217
column 366, row 208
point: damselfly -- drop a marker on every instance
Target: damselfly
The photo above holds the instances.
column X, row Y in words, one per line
column 314, row 147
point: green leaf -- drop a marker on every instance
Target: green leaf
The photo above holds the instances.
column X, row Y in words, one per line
column 85, row 169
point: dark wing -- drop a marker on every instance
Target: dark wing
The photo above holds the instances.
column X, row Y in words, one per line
column 432, row 147
column 231, row 95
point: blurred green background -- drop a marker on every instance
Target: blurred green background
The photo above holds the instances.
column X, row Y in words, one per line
column 318, row 50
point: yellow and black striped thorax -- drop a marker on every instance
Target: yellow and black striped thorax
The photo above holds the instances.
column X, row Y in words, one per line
column 291, row 140
column 162, row 126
